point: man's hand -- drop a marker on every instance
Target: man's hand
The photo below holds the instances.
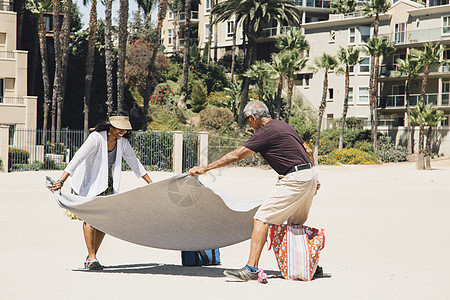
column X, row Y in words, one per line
column 318, row 185
column 194, row 171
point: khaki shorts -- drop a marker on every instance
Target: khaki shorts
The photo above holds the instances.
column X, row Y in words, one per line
column 290, row 200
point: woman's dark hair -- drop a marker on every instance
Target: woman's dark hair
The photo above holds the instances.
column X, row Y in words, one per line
column 104, row 126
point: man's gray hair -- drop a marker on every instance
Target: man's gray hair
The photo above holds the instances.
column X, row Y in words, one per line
column 258, row 109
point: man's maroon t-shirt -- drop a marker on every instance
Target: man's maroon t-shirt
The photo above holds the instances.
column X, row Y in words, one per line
column 280, row 145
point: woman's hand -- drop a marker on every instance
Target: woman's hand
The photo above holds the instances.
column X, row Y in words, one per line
column 57, row 185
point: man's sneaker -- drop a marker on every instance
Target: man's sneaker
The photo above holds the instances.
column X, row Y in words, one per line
column 242, row 274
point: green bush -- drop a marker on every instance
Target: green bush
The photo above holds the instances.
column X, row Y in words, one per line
column 388, row 152
column 162, row 94
column 199, row 95
column 153, row 149
column 352, row 123
column 17, row 156
column 363, row 145
column 215, row 117
column 55, row 148
column 219, row 99
column 353, row 156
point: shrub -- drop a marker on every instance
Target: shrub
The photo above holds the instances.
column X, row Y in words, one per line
column 353, row 156
column 17, row 156
column 198, row 97
column 328, row 160
column 363, row 145
column 388, row 152
column 215, row 117
column 219, row 99
column 162, row 93
column 353, row 123
column 55, row 148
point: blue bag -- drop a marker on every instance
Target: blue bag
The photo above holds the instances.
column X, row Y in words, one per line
column 200, row 258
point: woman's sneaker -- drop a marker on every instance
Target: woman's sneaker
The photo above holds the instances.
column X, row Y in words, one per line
column 242, row 274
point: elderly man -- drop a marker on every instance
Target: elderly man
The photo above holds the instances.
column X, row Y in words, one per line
column 284, row 150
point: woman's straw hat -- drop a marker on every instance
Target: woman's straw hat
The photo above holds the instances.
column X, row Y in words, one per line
column 120, row 122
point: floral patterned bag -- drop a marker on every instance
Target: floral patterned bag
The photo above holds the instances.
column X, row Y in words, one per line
column 297, row 249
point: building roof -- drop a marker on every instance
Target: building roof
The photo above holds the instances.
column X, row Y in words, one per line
column 430, row 10
column 348, row 21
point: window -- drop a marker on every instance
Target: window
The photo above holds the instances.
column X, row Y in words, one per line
column 364, row 32
column 351, row 69
column 395, row 57
column 364, row 65
column 306, row 80
column 350, row 95
column 207, row 33
column 363, row 95
column 170, row 36
column 445, row 121
column 399, row 33
column 446, row 56
column 48, row 23
column 446, row 25
column 2, row 89
column 332, row 36
column 2, row 38
column 170, row 15
column 352, row 35
column 207, row 6
column 445, row 97
column 398, row 90
column 230, row 29
column 330, row 94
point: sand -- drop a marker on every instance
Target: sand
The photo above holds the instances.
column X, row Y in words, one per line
column 386, row 230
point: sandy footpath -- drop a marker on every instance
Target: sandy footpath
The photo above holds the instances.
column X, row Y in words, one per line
column 387, row 237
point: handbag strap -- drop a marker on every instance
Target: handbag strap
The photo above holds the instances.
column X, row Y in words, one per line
column 204, row 257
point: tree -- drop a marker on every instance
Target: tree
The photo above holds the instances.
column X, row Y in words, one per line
column 343, row 6
column 186, row 61
column 176, row 6
column 348, row 58
column 58, row 66
column 89, row 63
column 409, row 67
column 123, row 34
column 374, row 8
column 253, row 14
column 261, row 71
column 38, row 8
column 292, row 40
column 376, row 47
column 430, row 56
column 325, row 63
column 108, row 57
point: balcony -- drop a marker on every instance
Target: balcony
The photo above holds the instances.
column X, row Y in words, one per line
column 315, row 3
column 398, row 101
column 194, row 16
column 273, row 32
column 6, row 6
column 7, row 54
column 418, row 36
column 12, row 100
column 386, row 70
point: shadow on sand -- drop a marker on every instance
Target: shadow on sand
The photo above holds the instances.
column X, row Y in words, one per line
column 176, row 270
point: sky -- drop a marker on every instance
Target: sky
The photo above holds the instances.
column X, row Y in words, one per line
column 84, row 10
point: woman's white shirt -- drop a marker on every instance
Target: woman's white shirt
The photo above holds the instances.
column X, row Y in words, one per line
column 88, row 168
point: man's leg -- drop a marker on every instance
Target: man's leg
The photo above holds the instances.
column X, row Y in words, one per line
column 259, row 237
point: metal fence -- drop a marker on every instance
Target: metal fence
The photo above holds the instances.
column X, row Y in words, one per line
column 218, row 146
column 28, row 152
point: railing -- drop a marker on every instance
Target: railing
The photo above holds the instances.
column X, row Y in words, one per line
column 6, row 6
column 318, row 3
column 398, row 101
column 386, row 70
column 190, row 150
column 11, row 100
column 7, row 54
column 438, row 2
column 275, row 31
column 418, row 36
column 218, row 146
column 194, row 16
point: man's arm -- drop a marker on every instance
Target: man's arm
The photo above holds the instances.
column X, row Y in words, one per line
column 309, row 152
column 232, row 157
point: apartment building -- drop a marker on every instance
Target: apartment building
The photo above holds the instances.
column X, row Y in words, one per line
column 17, row 110
column 312, row 11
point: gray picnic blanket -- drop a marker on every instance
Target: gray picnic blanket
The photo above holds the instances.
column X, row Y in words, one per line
column 179, row 213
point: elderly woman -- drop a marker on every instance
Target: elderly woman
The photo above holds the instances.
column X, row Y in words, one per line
column 95, row 170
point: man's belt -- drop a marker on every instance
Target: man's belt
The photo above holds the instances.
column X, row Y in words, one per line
column 300, row 167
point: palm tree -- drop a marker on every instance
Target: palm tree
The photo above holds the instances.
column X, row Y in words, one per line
column 186, row 59
column 279, row 64
column 108, row 57
column 325, row 63
column 292, row 40
column 151, row 80
column 89, row 63
column 409, row 67
column 233, row 51
column 343, row 6
column 376, row 47
column 123, row 34
column 295, row 64
column 253, row 14
column 176, row 7
column 374, row 8
column 432, row 118
column 260, row 71
column 38, row 8
column 210, row 35
column 430, row 56
column 58, row 66
column 348, row 58
column 418, row 117
column 146, row 6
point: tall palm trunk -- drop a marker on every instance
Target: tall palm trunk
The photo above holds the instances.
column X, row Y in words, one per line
column 215, row 36
column 186, row 60
column 20, row 12
column 57, row 76
column 344, row 111
column 374, row 103
column 408, row 113
column 427, row 158
column 45, row 77
column 233, row 54
column 150, row 83
column 278, row 99
column 176, row 31
column 64, row 45
column 261, row 88
column 323, row 105
column 210, row 36
column 89, row 65
column 422, row 127
column 123, row 34
column 108, row 57
column 289, row 98
column 248, row 61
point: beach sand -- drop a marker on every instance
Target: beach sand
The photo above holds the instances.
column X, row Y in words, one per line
column 386, row 229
